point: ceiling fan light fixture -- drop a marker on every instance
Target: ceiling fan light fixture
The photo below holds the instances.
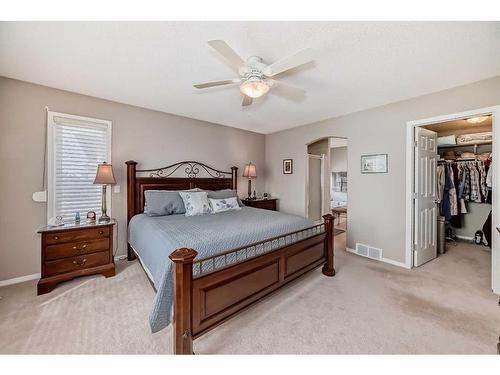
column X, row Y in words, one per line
column 477, row 120
column 254, row 88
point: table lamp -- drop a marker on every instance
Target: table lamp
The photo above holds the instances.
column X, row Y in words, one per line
column 251, row 172
column 104, row 177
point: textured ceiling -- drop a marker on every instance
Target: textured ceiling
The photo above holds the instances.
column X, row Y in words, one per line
column 358, row 65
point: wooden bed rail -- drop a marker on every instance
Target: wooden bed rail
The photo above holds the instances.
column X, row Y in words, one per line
column 204, row 302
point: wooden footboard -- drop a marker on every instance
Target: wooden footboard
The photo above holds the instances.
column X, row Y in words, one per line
column 209, row 298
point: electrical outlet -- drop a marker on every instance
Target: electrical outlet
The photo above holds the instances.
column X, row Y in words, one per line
column 116, row 189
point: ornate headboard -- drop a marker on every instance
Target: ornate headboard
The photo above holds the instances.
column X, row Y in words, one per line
column 166, row 178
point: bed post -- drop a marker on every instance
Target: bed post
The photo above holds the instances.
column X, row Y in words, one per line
column 328, row 269
column 183, row 280
column 234, row 177
column 131, row 170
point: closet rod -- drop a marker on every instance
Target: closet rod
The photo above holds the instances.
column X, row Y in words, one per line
column 459, row 161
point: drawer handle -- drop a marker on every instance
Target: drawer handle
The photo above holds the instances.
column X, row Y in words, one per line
column 101, row 232
column 56, row 237
column 80, row 249
column 80, row 262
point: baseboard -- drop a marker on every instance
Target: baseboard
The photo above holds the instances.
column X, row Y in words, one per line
column 21, row 279
column 384, row 260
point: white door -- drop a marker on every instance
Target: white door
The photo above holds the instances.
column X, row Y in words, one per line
column 315, row 187
column 425, row 222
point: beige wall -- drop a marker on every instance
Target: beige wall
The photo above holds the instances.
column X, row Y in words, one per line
column 376, row 202
column 338, row 159
column 152, row 138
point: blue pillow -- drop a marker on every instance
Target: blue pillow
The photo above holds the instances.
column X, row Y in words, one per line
column 224, row 194
column 163, row 202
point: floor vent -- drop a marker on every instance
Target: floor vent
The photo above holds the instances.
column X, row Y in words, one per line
column 368, row 251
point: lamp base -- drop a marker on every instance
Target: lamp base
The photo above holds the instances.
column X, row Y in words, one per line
column 104, row 219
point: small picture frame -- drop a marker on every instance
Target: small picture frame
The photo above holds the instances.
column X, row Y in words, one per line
column 287, row 166
column 376, row 163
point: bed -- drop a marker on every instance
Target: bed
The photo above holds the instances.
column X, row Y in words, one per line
column 206, row 269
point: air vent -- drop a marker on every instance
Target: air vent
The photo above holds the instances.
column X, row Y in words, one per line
column 368, row 251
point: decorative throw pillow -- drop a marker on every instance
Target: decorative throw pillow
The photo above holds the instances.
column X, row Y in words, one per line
column 224, row 193
column 225, row 204
column 195, row 203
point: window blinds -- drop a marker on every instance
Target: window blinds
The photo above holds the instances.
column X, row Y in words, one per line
column 77, row 147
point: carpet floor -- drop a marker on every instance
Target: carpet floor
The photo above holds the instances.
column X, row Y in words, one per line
column 445, row 306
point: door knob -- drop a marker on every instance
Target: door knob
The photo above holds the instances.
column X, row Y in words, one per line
column 498, row 229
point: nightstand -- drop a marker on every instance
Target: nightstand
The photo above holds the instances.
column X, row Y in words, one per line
column 75, row 250
column 266, row 204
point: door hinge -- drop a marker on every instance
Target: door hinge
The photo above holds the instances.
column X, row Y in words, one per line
column 415, row 144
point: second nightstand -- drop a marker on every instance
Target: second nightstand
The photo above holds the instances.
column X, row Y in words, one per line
column 266, row 204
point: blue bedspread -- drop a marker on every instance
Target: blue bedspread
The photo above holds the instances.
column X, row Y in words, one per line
column 154, row 238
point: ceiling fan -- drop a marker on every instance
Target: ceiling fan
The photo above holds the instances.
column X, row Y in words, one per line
column 256, row 77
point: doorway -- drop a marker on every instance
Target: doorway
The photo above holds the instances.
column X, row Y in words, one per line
column 449, row 200
column 326, row 180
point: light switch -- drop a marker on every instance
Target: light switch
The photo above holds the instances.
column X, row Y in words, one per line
column 40, row 196
column 116, row 189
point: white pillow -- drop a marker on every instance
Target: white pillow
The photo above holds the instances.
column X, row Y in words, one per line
column 225, row 204
column 196, row 203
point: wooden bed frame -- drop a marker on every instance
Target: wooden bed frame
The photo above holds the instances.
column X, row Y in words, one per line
column 206, row 295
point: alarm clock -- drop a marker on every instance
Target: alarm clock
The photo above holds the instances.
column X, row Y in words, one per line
column 91, row 217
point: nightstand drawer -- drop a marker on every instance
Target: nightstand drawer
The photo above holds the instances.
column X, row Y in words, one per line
column 267, row 205
column 65, row 265
column 72, row 249
column 76, row 235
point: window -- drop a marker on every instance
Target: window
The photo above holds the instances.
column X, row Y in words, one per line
column 75, row 146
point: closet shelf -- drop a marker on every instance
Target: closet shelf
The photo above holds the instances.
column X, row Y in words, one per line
column 481, row 143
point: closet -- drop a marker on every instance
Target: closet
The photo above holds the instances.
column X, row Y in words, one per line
column 464, row 181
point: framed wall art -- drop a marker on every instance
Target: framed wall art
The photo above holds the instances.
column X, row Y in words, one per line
column 376, row 163
column 287, row 166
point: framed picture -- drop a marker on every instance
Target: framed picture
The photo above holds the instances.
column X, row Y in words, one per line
column 287, row 166
column 374, row 163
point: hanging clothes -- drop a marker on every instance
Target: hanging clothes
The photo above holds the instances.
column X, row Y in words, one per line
column 456, row 220
column 466, row 181
column 489, row 179
column 440, row 182
column 482, row 181
column 475, row 187
column 445, row 206
column 452, row 192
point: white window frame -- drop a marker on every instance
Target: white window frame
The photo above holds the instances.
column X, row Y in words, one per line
column 51, row 160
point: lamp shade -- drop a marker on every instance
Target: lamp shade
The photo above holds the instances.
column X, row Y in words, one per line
column 104, row 175
column 250, row 171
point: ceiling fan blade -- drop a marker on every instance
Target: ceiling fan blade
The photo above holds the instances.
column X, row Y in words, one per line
column 227, row 52
column 300, row 58
column 246, row 101
column 290, row 92
column 216, row 83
